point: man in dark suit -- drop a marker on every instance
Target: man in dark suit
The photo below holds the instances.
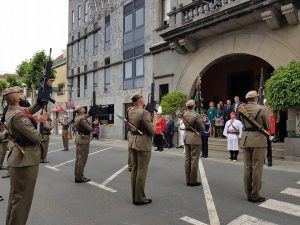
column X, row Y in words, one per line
column 236, row 104
column 227, row 110
column 169, row 130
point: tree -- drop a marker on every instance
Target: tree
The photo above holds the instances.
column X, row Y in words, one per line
column 282, row 89
column 172, row 102
column 33, row 70
column 3, row 84
column 13, row 81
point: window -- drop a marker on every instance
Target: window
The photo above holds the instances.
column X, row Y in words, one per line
column 70, row 52
column 78, row 48
column 128, row 23
column 166, row 8
column 106, row 114
column 107, row 29
column 79, row 15
column 128, row 69
column 139, row 17
column 95, row 75
column 73, row 18
column 61, row 89
column 86, row 11
column 106, row 78
column 163, row 90
column 78, row 86
column 71, row 86
column 85, row 85
column 85, row 47
column 139, row 67
column 95, row 43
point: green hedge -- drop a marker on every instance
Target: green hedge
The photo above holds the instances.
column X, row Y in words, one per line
column 172, row 102
column 283, row 88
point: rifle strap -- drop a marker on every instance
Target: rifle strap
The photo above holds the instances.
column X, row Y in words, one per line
column 259, row 111
column 246, row 118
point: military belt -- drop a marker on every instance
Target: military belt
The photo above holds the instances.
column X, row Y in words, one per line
column 135, row 133
column 191, row 130
column 25, row 143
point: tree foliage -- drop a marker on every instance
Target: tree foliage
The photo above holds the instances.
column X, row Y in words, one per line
column 13, row 80
column 3, row 84
column 32, row 70
column 282, row 89
column 172, row 102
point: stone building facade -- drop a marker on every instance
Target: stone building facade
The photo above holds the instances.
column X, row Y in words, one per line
column 228, row 44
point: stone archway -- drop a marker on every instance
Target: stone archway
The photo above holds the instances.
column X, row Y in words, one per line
column 261, row 44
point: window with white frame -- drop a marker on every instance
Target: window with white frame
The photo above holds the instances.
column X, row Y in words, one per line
column 86, row 11
column 95, row 43
column 79, row 15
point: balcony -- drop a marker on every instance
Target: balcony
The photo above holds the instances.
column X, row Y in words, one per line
column 204, row 18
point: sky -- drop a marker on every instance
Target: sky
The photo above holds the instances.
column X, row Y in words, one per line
column 28, row 26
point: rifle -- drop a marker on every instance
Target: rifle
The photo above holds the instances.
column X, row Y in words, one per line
column 151, row 102
column 243, row 112
column 45, row 90
column 186, row 122
column 130, row 125
column 261, row 96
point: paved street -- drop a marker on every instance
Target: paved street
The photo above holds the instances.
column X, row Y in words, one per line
column 107, row 199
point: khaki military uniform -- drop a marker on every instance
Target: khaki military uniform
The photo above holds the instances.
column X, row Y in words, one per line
column 82, row 145
column 23, row 167
column 254, row 145
column 129, row 161
column 65, row 139
column 3, row 148
column 192, row 143
column 46, row 138
column 140, row 147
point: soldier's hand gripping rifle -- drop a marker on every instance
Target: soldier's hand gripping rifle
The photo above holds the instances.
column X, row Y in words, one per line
column 130, row 125
column 180, row 115
column 243, row 112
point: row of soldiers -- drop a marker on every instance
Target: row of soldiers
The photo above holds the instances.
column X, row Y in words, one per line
column 253, row 142
column 29, row 148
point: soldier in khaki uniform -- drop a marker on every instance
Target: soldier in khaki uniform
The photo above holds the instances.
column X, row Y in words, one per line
column 24, row 157
column 65, row 129
column 192, row 143
column 140, row 147
column 84, row 127
column 47, row 127
column 254, row 145
column 3, row 148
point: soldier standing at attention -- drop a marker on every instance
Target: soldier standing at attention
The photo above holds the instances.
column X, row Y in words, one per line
column 140, row 147
column 192, row 143
column 65, row 129
column 24, row 157
column 84, row 127
column 47, row 127
column 3, row 146
column 254, row 145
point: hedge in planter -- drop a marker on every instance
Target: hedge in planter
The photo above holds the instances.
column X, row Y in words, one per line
column 283, row 88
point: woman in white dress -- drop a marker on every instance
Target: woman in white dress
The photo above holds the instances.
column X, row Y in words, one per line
column 233, row 131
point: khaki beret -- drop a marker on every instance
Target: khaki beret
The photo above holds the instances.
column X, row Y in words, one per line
column 251, row 94
column 78, row 108
column 136, row 95
column 12, row 90
column 190, row 103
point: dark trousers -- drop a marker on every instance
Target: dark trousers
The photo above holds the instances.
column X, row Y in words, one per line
column 158, row 141
column 234, row 155
column 204, row 146
column 269, row 151
column 169, row 139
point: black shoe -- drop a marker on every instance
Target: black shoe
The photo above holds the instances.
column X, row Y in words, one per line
column 269, row 163
column 1, row 198
column 156, row 150
column 45, row 161
column 195, row 184
column 66, row 149
column 188, row 184
column 83, row 180
column 3, row 168
column 6, row 176
column 161, row 150
column 145, row 202
column 260, row 199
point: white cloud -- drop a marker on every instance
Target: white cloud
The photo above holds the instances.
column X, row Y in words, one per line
column 29, row 26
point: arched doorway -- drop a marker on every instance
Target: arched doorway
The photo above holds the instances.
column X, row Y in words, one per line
column 232, row 75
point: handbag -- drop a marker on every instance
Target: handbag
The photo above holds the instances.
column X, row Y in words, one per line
column 219, row 122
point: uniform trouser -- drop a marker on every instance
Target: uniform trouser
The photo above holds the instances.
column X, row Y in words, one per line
column 269, row 151
column 140, row 162
column 253, row 167
column 158, row 141
column 82, row 153
column 65, row 139
column 129, row 159
column 22, row 184
column 169, row 139
column 3, row 151
column 45, row 146
column 204, row 145
column 192, row 153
